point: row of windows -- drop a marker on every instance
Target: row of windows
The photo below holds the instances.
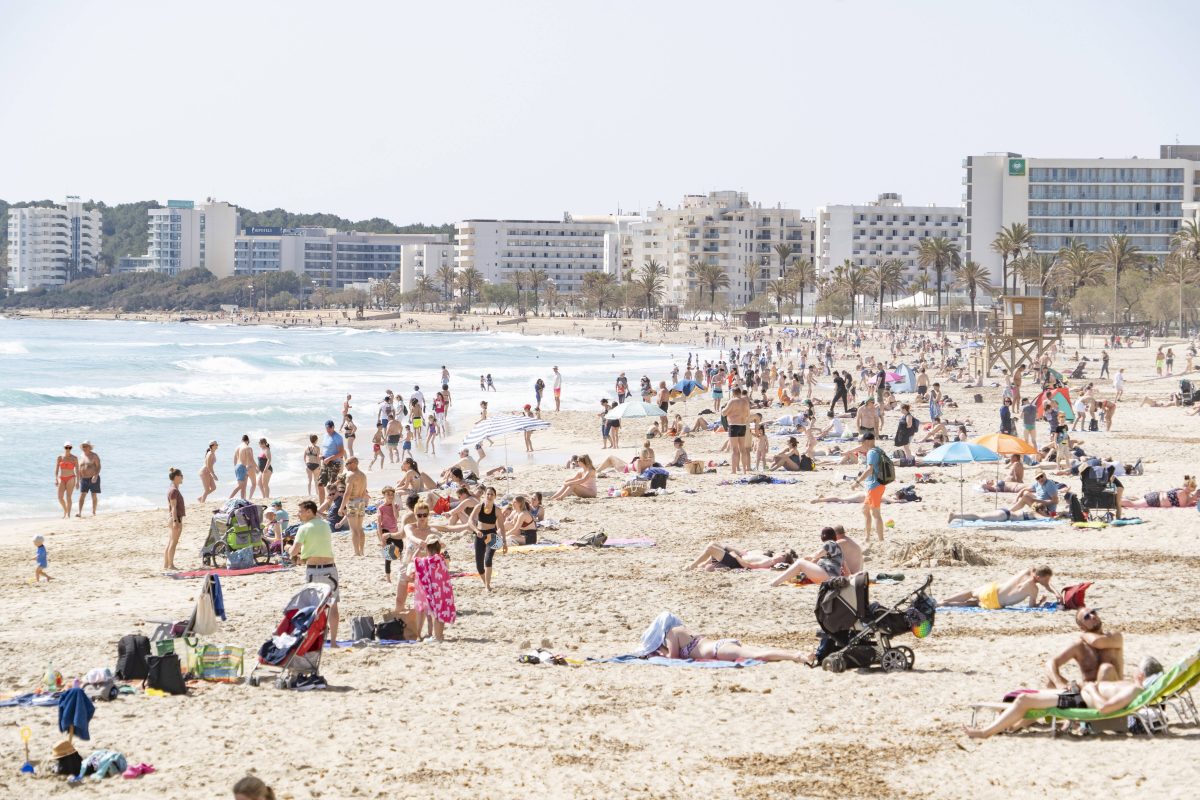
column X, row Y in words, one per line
column 550, row 267
column 1055, row 243
column 1106, row 174
column 573, row 257
column 530, row 232
column 1102, row 192
column 908, row 219
column 1109, row 226
column 537, row 243
column 860, row 232
column 1055, row 209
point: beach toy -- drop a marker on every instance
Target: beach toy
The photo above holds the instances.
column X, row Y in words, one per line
column 27, row 767
column 923, row 629
column 891, row 523
column 52, row 681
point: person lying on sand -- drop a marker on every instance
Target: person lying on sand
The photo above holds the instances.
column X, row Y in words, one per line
column 1182, row 497
column 1099, row 655
column 827, row 562
column 896, row 497
column 1106, row 696
column 667, row 636
column 1002, row 486
column 999, row 515
column 1024, row 586
column 722, row 556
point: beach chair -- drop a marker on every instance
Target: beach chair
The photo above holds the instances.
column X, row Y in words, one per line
column 1097, row 491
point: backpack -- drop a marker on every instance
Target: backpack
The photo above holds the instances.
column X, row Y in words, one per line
column 885, row 472
column 163, row 673
column 594, row 540
column 132, row 652
column 1073, row 596
column 1077, row 512
column 1093, row 425
column 806, row 463
column 242, row 559
column 392, row 630
column 362, row 628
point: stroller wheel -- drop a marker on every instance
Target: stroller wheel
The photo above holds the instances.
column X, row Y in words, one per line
column 834, row 663
column 252, row 680
column 893, row 660
column 281, row 683
column 909, row 654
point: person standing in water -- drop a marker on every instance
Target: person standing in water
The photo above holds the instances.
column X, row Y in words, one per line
column 89, row 477
column 243, row 461
column 66, row 471
column 208, row 472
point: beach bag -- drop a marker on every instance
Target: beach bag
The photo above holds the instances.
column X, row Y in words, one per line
column 441, row 506
column 219, row 662
column 1076, row 507
column 182, row 646
column 1073, row 596
column 392, row 630
column 978, row 398
column 240, row 559
column 163, row 673
column 132, row 652
column 1093, row 425
column 885, row 473
column 362, row 628
column 658, row 481
column 694, row 467
column 595, row 540
column 806, row 463
column 205, row 623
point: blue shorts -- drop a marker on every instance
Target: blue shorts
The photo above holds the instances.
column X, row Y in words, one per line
column 240, row 473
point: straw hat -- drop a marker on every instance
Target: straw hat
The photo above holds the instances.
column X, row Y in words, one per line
column 63, row 748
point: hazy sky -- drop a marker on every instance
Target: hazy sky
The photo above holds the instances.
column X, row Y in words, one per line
column 440, row 111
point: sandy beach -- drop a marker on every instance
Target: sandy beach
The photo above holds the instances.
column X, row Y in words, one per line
column 465, row 719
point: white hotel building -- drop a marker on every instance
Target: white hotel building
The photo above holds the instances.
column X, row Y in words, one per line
column 722, row 228
column 1086, row 200
column 51, row 246
column 185, row 236
column 872, row 233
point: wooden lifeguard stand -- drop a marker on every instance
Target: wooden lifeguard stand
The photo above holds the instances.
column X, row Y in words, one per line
column 1017, row 334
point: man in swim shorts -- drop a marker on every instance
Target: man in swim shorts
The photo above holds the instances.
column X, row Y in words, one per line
column 89, row 476
column 557, row 389
column 1025, row 587
column 243, row 458
column 869, row 479
column 355, row 504
column 737, row 411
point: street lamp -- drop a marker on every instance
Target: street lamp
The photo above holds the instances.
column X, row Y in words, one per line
column 252, row 297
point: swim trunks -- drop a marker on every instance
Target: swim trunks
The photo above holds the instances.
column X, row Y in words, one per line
column 875, row 496
column 737, row 431
column 239, row 472
column 356, row 507
column 989, row 596
column 1071, row 699
column 329, row 472
column 90, row 485
column 394, row 440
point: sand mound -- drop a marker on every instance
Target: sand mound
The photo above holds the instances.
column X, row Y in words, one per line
column 933, row 551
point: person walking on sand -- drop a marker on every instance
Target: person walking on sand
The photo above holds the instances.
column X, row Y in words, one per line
column 354, row 506
column 265, row 468
column 176, row 510
column 89, row 476
column 314, row 546
column 349, row 432
column 1119, row 383
column 558, row 389
column 42, row 558
column 208, row 472
column 243, row 460
column 875, row 488
column 66, row 471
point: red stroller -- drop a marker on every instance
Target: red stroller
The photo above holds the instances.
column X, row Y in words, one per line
column 293, row 654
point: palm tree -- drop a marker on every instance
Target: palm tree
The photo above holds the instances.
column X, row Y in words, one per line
column 1182, row 270
column 801, row 276
column 1035, row 269
column 854, row 280
column 553, row 296
column 941, row 254
column 425, row 291
column 598, row 288
column 446, row 276
column 519, row 280
column 752, row 269
column 651, row 283
column 536, row 279
column 779, row 290
column 974, row 278
column 888, row 276
column 784, row 252
column 1187, row 239
column 1077, row 267
column 711, row 277
column 469, row 282
column 1120, row 255
column 1010, row 243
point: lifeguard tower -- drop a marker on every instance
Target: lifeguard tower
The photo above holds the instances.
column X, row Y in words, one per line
column 1016, row 334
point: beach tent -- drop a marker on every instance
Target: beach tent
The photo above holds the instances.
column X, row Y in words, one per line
column 918, row 300
column 1061, row 397
column 685, row 389
column 908, row 379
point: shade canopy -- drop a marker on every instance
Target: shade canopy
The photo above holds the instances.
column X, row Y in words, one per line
column 1006, row 445
column 635, row 408
column 500, row 426
column 960, row 453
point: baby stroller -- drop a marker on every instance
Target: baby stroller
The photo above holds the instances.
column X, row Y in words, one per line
column 235, row 527
column 861, row 632
column 293, row 653
column 1187, row 392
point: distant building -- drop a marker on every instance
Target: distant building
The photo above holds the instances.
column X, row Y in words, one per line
column 1085, row 200
column 134, row 264
column 52, row 246
column 331, row 259
column 722, row 228
column 871, row 233
column 185, row 236
column 424, row 259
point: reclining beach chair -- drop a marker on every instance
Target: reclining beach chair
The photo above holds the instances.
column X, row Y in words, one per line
column 1097, row 491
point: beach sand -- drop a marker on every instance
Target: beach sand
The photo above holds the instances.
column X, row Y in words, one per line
column 465, row 719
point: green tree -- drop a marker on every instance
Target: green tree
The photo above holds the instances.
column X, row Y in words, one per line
column 1119, row 255
column 1076, row 268
column 425, row 292
column 973, row 278
column 599, row 288
column 854, row 280
column 446, row 278
column 502, row 296
column 1180, row 271
column 888, row 276
column 753, row 271
column 941, row 254
column 651, row 283
column 780, row 291
column 469, row 281
column 1011, row 243
column 802, row 276
column 711, row 278
column 536, row 279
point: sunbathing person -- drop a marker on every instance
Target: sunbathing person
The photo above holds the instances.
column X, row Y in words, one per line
column 581, row 484
column 897, row 496
column 413, row 480
column 936, row 431
column 720, row 556
column 668, row 637
column 788, row 458
column 1183, row 497
column 999, row 515
column 1024, row 586
column 680, row 456
column 1041, row 497
column 826, row 563
column 1099, row 655
column 1002, row 486
column 1102, row 695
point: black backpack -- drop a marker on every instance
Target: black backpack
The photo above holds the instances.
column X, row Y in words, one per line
column 885, row 473
column 1093, row 425
column 1077, row 512
column 806, row 463
column 392, row 630
column 165, row 675
column 132, row 652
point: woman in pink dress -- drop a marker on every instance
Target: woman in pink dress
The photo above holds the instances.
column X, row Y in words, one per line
column 433, row 595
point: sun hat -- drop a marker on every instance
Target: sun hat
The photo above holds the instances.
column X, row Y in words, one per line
column 62, row 749
column 85, row 443
column 66, row 444
column 277, row 503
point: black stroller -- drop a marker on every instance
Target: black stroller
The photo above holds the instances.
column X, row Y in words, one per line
column 858, row 633
column 1187, row 392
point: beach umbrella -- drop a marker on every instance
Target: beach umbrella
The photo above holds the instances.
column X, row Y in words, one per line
column 685, row 389
column 635, row 408
column 892, row 377
column 501, row 427
column 1006, row 445
column 960, row 453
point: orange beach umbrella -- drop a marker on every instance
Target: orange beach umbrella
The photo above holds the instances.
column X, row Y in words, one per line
column 1006, row 445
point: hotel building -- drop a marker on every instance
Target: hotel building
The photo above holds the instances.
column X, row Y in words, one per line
column 872, row 233
column 51, row 246
column 185, row 236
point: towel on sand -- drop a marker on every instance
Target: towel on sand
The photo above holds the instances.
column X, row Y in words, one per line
column 1016, row 524
column 1045, row 607
column 660, row 661
column 227, row 573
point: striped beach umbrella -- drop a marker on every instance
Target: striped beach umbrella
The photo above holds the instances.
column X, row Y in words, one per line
column 500, row 426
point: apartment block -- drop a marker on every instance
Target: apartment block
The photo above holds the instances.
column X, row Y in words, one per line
column 185, row 236
column 886, row 229
column 52, row 246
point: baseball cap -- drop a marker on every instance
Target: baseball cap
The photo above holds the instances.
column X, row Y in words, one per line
column 527, row 406
column 66, row 444
column 328, row 423
column 277, row 504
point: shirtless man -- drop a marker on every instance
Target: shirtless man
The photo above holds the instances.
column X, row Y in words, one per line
column 243, row 462
column 852, row 557
column 867, row 417
column 1105, row 696
column 737, row 412
column 1024, row 586
column 1099, row 655
column 89, row 476
column 464, row 463
column 394, row 432
column 354, row 506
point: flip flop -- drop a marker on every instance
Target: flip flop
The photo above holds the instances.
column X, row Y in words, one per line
column 137, row 771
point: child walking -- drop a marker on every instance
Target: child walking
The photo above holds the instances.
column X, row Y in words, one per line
column 390, row 537
column 761, row 446
column 42, row 560
column 434, row 597
column 377, row 446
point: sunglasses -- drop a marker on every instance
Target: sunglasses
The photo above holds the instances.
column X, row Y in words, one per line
column 1089, row 615
column 422, row 516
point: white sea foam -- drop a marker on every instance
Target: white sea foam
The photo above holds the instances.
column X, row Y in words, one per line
column 219, row 364
column 308, row 360
column 12, row 349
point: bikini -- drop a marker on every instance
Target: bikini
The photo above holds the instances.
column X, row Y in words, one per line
column 66, row 470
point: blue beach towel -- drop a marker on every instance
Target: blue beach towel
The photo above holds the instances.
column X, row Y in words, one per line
column 1015, row 524
column 660, row 661
column 1044, row 608
column 75, row 709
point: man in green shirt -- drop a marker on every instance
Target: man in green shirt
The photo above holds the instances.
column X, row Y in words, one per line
column 314, row 546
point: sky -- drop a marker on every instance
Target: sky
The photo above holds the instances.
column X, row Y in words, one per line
column 436, row 112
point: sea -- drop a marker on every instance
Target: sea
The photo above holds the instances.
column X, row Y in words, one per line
column 151, row 395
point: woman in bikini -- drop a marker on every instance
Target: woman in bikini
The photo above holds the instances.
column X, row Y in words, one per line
column 265, row 469
column 485, row 521
column 413, row 480
column 1183, row 497
column 582, row 483
column 415, row 534
column 349, row 432
column 679, row 642
column 66, row 475
column 788, row 458
column 208, row 472
column 312, row 461
column 720, row 556
column 522, row 527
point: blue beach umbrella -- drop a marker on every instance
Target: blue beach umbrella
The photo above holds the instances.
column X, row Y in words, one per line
column 686, row 389
column 960, row 453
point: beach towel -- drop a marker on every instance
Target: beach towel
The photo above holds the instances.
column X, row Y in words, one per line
column 555, row 547
column 1045, row 607
column 1014, row 524
column 218, row 599
column 227, row 573
column 661, row 661
column 31, row 699
column 434, row 594
column 75, row 710
column 653, row 636
column 1127, row 521
column 372, row 642
column 759, row 479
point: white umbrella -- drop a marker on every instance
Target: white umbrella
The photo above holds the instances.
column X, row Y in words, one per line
column 501, row 427
column 635, row 408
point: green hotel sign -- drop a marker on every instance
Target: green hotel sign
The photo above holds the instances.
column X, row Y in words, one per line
column 1016, row 167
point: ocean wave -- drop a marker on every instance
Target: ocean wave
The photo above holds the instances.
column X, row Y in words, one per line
column 243, row 341
column 376, row 352
column 12, row 349
column 308, row 360
column 220, row 364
